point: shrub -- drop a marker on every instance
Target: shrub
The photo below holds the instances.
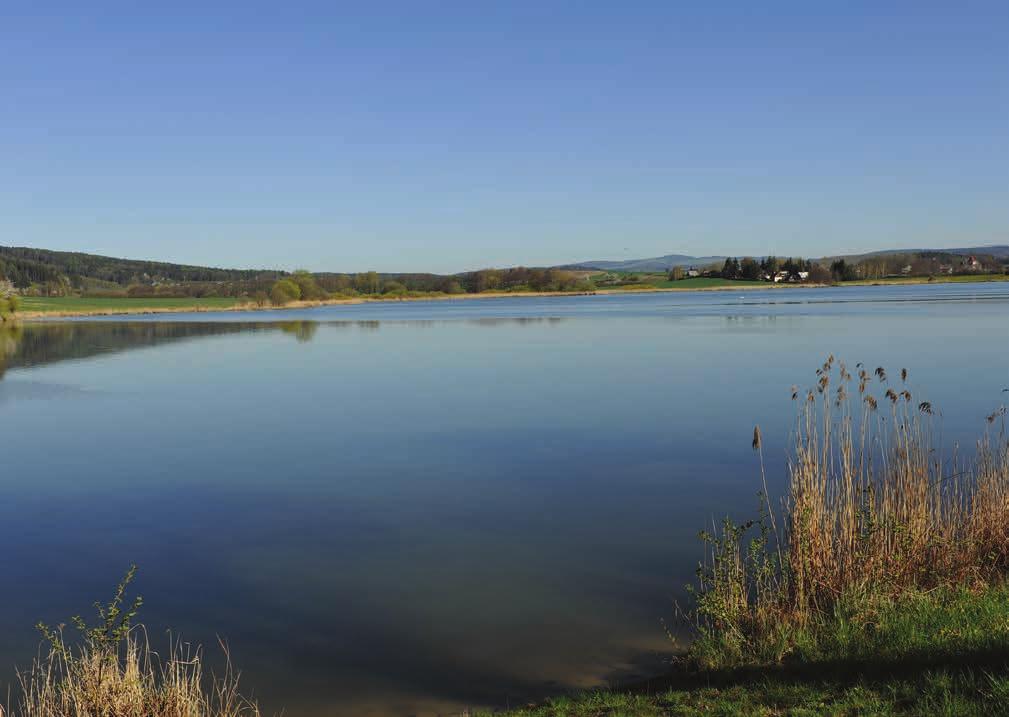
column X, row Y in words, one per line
column 307, row 286
column 284, row 291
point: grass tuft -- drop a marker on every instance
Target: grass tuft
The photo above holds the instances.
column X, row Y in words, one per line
column 111, row 671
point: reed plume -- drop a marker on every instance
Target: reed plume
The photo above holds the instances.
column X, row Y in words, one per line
column 872, row 508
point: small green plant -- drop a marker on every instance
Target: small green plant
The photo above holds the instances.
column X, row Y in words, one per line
column 115, row 621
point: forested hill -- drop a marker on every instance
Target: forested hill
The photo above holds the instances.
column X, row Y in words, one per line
column 43, row 272
column 24, row 266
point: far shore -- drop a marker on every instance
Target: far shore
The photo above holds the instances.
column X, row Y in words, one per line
column 122, row 308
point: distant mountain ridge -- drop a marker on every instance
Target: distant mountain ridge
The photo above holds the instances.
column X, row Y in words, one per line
column 658, row 263
column 668, row 261
column 999, row 251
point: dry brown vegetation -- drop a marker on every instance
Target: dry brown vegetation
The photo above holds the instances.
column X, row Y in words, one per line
column 874, row 511
column 134, row 682
column 112, row 671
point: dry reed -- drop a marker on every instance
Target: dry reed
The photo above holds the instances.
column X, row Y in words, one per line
column 872, row 508
column 131, row 682
column 111, row 671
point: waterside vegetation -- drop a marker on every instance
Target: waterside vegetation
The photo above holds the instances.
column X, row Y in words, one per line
column 110, row 670
column 878, row 585
column 70, row 283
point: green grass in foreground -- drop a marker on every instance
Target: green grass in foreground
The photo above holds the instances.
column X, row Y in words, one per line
column 85, row 304
column 944, row 652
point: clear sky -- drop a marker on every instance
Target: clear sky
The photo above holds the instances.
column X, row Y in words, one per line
column 445, row 136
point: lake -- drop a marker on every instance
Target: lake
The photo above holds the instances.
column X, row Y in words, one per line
column 418, row 507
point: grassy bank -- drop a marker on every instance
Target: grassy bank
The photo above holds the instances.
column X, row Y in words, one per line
column 85, row 305
column 940, row 279
column 32, row 307
column 878, row 585
column 69, row 306
column 692, row 284
column 943, row 652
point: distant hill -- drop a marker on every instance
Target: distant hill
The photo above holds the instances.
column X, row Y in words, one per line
column 658, row 263
column 59, row 273
column 25, row 265
column 998, row 251
column 667, row 262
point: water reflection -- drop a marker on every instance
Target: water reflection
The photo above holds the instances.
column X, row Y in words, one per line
column 44, row 343
column 417, row 509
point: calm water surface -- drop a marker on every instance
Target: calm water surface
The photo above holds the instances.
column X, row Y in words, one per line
column 414, row 508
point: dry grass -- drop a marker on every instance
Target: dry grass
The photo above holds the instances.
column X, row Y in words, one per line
column 131, row 682
column 873, row 509
column 111, row 671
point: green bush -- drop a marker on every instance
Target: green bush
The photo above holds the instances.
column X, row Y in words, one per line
column 284, row 292
column 309, row 289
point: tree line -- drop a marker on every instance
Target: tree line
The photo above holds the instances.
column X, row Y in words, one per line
column 54, row 273
column 848, row 269
column 302, row 285
column 749, row 268
column 25, row 265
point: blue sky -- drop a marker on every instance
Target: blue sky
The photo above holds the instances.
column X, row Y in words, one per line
column 445, row 136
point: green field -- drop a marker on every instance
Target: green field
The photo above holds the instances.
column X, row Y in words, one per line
column 702, row 282
column 660, row 282
column 957, row 279
column 56, row 304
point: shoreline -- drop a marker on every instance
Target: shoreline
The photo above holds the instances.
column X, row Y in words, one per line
column 347, row 301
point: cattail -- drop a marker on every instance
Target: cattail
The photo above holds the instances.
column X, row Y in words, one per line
column 892, row 395
column 871, row 402
column 906, row 395
column 756, row 438
column 903, row 374
column 881, row 373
